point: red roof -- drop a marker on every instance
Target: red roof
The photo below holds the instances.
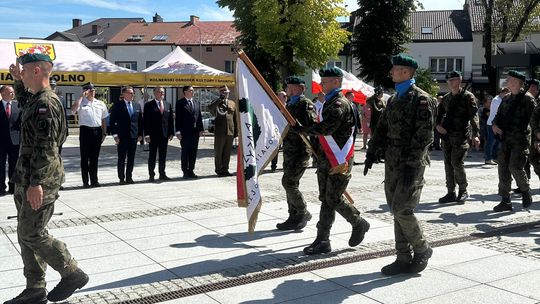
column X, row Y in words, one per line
column 178, row 33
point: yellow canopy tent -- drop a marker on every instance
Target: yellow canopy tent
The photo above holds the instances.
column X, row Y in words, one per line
column 74, row 63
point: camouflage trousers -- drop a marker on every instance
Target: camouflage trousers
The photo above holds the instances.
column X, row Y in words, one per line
column 455, row 151
column 402, row 201
column 38, row 248
column 331, row 189
column 534, row 159
column 293, row 170
column 511, row 159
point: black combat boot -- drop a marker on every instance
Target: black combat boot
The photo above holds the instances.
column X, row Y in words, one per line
column 358, row 232
column 420, row 261
column 318, row 246
column 289, row 223
column 30, row 295
column 462, row 196
column 302, row 221
column 397, row 267
column 68, row 285
column 504, row 205
column 448, row 198
column 526, row 199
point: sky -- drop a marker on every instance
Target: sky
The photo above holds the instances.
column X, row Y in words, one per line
column 41, row 19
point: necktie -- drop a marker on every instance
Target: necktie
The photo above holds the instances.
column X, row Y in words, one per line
column 191, row 105
column 161, row 107
column 130, row 109
column 8, row 109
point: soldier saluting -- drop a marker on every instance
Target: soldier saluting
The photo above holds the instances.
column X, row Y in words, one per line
column 457, row 121
column 511, row 124
column 39, row 173
column 405, row 131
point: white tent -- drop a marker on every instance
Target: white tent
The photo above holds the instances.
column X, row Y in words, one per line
column 178, row 68
column 74, row 63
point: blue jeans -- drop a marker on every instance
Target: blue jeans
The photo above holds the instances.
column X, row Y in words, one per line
column 492, row 144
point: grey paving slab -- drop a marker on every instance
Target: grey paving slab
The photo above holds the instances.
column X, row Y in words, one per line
column 525, row 284
column 276, row 290
column 343, row 296
column 479, row 294
column 492, row 268
column 115, row 262
column 531, row 237
column 142, row 222
column 157, row 230
column 100, row 250
column 173, row 239
column 459, row 253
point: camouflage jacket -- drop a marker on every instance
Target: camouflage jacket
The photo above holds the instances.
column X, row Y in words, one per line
column 535, row 122
column 42, row 132
column 405, row 129
column 514, row 114
column 458, row 114
column 338, row 121
column 293, row 145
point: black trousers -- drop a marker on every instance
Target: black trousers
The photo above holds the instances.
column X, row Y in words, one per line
column 157, row 144
column 190, row 145
column 90, row 139
column 126, row 148
column 10, row 153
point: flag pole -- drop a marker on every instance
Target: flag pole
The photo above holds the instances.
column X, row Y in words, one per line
column 290, row 119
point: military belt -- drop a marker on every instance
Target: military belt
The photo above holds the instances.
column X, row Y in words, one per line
column 30, row 150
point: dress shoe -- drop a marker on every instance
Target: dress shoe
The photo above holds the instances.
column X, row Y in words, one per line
column 164, row 177
column 122, row 182
column 395, row 268
column 86, row 185
column 68, row 285
column 504, row 205
column 129, row 181
column 318, row 247
column 358, row 232
column 95, row 185
column 30, row 295
column 193, row 175
column 462, row 196
column 186, row 176
column 526, row 199
column 448, row 198
column 420, row 261
column 151, row 179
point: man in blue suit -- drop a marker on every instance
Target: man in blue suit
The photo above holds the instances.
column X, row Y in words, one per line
column 189, row 128
column 126, row 122
column 10, row 128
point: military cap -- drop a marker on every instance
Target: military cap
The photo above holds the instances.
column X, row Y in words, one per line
column 453, row 74
column 330, row 72
column 517, row 75
column 27, row 58
column 224, row 89
column 404, row 60
column 88, row 86
column 295, row 80
column 533, row 81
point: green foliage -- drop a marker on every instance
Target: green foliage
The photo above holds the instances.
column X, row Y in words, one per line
column 380, row 34
column 514, row 18
column 426, row 82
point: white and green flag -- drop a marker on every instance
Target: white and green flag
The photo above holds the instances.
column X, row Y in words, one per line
column 262, row 126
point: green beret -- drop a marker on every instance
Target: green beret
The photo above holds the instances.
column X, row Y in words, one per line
column 453, row 74
column 517, row 75
column 295, row 80
column 404, row 60
column 533, row 81
column 330, row 72
column 27, row 58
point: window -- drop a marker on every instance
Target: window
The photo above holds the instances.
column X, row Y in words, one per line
column 229, row 66
column 189, row 49
column 427, row 30
column 132, row 65
column 69, row 100
column 446, row 64
column 208, row 48
column 135, row 38
column 338, row 64
column 150, row 63
column 160, row 38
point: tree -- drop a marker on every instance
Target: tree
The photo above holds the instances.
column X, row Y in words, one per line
column 293, row 32
column 425, row 81
column 381, row 33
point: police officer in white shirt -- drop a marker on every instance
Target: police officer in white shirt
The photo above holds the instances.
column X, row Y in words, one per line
column 93, row 129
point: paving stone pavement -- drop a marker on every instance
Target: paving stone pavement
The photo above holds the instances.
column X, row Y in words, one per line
column 186, row 241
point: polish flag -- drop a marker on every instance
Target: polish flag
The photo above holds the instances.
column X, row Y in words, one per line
column 360, row 89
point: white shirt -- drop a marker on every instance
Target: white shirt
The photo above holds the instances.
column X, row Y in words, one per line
column 92, row 113
column 495, row 103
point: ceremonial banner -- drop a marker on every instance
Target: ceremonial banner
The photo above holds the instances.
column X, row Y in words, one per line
column 262, row 126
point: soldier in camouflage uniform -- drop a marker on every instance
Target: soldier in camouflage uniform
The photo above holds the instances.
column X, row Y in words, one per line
column 457, row 121
column 334, row 127
column 511, row 125
column 39, row 173
column 296, row 155
column 534, row 156
column 405, row 131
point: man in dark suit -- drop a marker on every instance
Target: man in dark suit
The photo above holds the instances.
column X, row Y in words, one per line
column 158, row 130
column 10, row 123
column 126, row 122
column 189, row 128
